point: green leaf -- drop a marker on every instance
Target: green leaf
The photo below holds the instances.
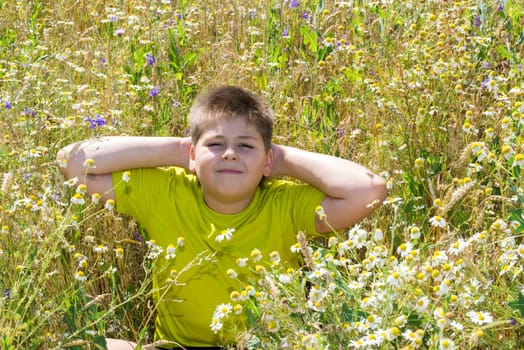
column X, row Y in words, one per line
column 518, row 304
column 310, row 38
column 352, row 315
column 516, row 215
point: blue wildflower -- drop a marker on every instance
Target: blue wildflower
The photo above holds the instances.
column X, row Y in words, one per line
column 97, row 121
column 154, row 91
column 294, row 4
column 29, row 111
column 478, row 21
column 7, row 105
column 285, row 33
column 150, row 59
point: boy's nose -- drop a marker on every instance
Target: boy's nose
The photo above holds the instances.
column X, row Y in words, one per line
column 229, row 154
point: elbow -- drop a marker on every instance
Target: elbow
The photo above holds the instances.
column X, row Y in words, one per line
column 381, row 190
column 62, row 161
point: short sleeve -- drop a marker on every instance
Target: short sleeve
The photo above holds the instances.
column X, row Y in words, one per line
column 140, row 192
column 300, row 201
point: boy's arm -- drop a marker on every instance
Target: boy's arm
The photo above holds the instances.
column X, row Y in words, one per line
column 110, row 154
column 350, row 188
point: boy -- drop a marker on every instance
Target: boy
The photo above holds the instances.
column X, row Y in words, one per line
column 214, row 196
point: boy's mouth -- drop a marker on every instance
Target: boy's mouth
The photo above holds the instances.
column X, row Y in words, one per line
column 229, row 171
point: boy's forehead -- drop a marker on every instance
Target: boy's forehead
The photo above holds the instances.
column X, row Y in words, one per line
column 235, row 127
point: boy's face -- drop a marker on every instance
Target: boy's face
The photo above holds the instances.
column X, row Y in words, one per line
column 230, row 160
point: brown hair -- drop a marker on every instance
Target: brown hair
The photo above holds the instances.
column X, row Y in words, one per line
column 228, row 103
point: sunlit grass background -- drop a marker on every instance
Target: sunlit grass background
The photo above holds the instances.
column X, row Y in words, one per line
column 427, row 93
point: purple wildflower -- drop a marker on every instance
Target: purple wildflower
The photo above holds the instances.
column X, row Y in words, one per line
column 478, row 21
column 97, row 121
column 120, row 31
column 103, row 61
column 294, row 4
column 305, row 15
column 7, row 105
column 27, row 176
column 176, row 103
column 500, row 6
column 485, row 82
column 252, row 13
column 150, row 59
column 29, row 111
column 154, row 91
column 512, row 321
column 285, row 33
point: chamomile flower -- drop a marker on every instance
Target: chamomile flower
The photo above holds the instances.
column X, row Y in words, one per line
column 100, row 249
column 447, row 344
column 81, row 189
column 170, row 252
column 80, row 276
column 519, row 160
column 320, row 212
column 71, row 182
column 95, row 198
column 256, row 255
column 242, row 262
column 89, row 163
column 284, row 278
column 62, row 163
column 225, row 235
column 78, row 199
column 480, row 317
column 119, row 252
column 110, row 204
column 223, row 310
column 231, row 273
column 458, row 247
column 438, row 221
column 126, row 176
column 274, row 257
column 216, row 324
column 422, row 304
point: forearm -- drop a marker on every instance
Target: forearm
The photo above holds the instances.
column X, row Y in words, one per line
column 110, row 154
column 332, row 175
column 352, row 191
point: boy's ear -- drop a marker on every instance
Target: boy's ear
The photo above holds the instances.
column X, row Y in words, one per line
column 192, row 166
column 269, row 163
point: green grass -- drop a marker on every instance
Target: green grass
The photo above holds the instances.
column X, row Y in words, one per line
column 427, row 93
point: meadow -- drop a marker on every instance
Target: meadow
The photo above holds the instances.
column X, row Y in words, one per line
column 427, row 93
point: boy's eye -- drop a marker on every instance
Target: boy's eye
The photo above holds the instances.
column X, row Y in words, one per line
column 245, row 145
column 214, row 144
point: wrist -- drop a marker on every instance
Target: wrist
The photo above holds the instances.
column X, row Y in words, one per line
column 178, row 151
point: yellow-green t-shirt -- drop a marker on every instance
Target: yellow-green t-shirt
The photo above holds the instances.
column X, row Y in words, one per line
column 169, row 204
